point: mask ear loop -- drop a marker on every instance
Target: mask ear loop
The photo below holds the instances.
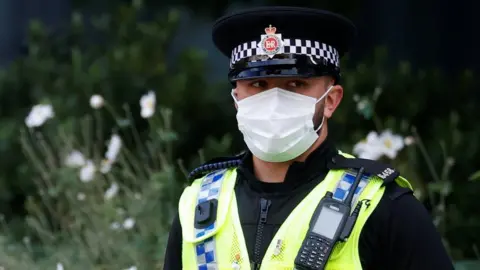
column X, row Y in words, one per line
column 321, row 124
column 233, row 96
column 322, row 97
column 324, row 94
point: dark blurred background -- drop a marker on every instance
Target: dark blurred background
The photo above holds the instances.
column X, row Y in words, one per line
column 428, row 33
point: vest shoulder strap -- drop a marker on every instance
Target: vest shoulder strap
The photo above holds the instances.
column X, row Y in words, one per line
column 344, row 184
column 204, row 208
column 371, row 167
column 207, row 203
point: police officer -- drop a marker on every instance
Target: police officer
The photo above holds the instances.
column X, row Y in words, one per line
column 255, row 210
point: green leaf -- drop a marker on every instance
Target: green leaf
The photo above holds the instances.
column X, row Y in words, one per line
column 405, row 68
column 467, row 265
column 123, row 123
column 475, row 176
column 173, row 15
column 443, row 187
column 40, row 228
column 77, row 19
column 36, row 27
column 137, row 4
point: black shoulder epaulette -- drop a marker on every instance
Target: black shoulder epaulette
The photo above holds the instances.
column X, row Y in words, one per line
column 371, row 167
column 216, row 164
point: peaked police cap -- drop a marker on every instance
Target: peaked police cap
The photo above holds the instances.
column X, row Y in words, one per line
column 283, row 42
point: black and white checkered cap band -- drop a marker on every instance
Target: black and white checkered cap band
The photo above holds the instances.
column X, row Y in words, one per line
column 314, row 49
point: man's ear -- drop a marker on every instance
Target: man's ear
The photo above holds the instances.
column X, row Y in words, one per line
column 332, row 100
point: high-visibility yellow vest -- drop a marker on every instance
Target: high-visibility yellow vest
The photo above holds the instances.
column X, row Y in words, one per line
column 221, row 245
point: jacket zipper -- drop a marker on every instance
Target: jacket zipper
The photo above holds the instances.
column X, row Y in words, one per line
column 264, row 206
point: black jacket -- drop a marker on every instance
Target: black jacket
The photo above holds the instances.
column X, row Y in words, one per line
column 398, row 235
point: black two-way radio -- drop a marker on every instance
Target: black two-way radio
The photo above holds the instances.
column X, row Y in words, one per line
column 330, row 223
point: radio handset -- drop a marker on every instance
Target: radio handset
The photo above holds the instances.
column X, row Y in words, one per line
column 330, row 223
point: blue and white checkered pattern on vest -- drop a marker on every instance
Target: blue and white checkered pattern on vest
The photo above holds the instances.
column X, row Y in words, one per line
column 343, row 187
column 210, row 189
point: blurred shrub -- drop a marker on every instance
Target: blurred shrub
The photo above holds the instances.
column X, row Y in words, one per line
column 97, row 209
column 120, row 55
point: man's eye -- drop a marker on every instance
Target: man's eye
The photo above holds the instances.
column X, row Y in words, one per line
column 297, row 84
column 259, row 84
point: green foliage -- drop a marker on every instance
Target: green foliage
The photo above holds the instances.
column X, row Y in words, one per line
column 111, row 219
column 67, row 216
column 475, row 176
column 119, row 55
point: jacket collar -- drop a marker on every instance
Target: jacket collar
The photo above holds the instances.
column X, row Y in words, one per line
column 298, row 173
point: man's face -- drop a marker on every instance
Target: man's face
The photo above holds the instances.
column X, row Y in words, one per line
column 312, row 87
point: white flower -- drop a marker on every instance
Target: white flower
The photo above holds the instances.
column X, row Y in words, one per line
column 26, row 240
column 131, row 268
column 111, row 191
column 97, row 101
column 128, row 223
column 376, row 146
column 377, row 92
column 373, row 154
column 87, row 172
column 75, row 159
column 356, row 98
column 362, row 104
column 369, row 148
column 81, row 196
column 392, row 143
column 39, row 114
column 59, row 266
column 148, row 103
column 115, row 226
column 106, row 166
column 113, row 148
column 450, row 161
column 409, row 140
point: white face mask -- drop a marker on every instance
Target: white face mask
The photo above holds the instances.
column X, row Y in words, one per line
column 277, row 124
